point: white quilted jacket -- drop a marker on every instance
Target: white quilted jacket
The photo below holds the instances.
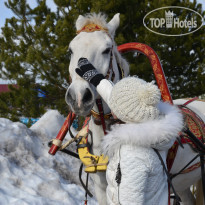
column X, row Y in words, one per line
column 130, row 146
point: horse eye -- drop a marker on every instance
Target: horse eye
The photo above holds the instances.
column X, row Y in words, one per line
column 106, row 51
column 70, row 51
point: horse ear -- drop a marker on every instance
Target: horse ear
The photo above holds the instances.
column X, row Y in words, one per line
column 79, row 22
column 114, row 23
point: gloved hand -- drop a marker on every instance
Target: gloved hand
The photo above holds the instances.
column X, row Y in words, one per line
column 88, row 72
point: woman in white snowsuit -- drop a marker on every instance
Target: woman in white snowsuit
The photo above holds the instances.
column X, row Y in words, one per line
column 135, row 174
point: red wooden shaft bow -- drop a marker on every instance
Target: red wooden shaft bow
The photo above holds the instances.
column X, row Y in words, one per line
column 63, row 131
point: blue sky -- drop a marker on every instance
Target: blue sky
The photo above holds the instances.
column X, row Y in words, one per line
column 6, row 13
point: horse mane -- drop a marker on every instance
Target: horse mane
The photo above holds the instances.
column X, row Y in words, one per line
column 93, row 18
column 122, row 62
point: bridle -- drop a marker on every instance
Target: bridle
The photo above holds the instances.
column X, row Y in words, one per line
column 99, row 117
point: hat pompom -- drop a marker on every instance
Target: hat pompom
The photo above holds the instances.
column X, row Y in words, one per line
column 149, row 94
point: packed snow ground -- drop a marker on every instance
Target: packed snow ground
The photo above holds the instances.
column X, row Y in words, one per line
column 28, row 174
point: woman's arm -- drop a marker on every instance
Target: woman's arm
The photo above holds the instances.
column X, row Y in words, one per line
column 104, row 89
column 89, row 73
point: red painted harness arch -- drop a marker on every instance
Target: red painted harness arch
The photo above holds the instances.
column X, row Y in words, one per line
column 155, row 63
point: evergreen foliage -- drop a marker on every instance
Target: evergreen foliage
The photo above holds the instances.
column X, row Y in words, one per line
column 34, row 51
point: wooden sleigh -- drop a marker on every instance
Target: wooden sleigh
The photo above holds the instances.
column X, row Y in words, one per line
column 194, row 133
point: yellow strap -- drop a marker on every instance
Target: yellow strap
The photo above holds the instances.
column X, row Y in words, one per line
column 81, row 133
column 95, row 165
column 92, row 162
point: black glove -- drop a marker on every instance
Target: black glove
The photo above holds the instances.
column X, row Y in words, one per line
column 88, row 72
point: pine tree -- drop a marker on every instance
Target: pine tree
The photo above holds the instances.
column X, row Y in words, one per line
column 34, row 51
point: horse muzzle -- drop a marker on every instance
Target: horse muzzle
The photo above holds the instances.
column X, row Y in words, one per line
column 80, row 101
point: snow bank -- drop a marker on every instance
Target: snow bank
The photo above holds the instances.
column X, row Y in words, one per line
column 28, row 174
column 49, row 124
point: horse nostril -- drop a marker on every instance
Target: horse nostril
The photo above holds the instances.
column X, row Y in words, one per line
column 69, row 98
column 87, row 96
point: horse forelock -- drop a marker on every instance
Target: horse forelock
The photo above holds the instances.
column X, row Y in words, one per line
column 93, row 18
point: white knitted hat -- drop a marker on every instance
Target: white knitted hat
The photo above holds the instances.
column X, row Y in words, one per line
column 134, row 100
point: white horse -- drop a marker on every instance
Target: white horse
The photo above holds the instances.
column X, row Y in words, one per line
column 95, row 41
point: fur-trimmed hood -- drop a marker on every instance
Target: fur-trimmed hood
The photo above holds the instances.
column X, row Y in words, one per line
column 153, row 133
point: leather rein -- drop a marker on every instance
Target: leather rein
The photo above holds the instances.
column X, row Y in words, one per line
column 100, row 118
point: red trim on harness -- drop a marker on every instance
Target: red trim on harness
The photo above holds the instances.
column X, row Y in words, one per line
column 100, row 108
column 196, row 126
column 171, row 155
column 87, row 119
column 189, row 101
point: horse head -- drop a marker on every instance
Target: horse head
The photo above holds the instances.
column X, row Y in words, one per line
column 94, row 41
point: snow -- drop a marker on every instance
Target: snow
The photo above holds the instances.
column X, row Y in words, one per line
column 28, row 174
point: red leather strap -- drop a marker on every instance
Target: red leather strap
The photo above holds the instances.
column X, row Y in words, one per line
column 101, row 111
column 189, row 101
